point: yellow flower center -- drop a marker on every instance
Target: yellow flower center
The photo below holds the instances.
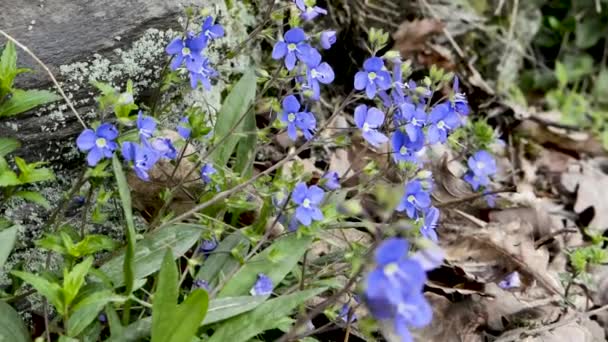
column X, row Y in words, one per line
column 186, row 51
column 291, row 47
column 480, row 165
column 101, row 142
column 291, row 117
column 411, row 198
column 306, row 203
column 365, row 127
column 372, row 76
column 441, row 124
column 391, row 269
column 403, row 150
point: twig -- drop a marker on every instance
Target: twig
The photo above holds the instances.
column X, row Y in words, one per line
column 473, row 197
column 513, row 20
column 48, row 71
column 514, row 335
column 554, row 234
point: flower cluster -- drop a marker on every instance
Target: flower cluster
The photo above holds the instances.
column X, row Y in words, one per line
column 301, row 57
column 393, row 289
column 188, row 51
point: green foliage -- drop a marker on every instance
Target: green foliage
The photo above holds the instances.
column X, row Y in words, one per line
column 122, row 104
column 582, row 257
column 237, row 109
column 64, row 244
column 11, row 326
column 223, row 261
column 8, row 237
column 125, row 198
column 172, row 322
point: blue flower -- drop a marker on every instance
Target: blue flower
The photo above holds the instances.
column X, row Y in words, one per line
column 398, row 85
column 443, row 120
column 164, row 147
column 412, row 118
column 208, row 246
column 183, row 128
column 328, row 38
column 404, row 149
column 202, row 74
column 309, row 12
column 142, row 157
column 295, row 119
column 294, row 46
column 481, row 166
column 393, row 290
column 263, row 286
column 189, row 49
column 431, row 219
column 318, row 72
column 369, row 120
column 206, row 171
column 482, row 163
column 200, row 284
column 146, row 126
column 332, row 180
column 99, row 143
column 344, row 312
column 308, row 200
column 490, row 199
column 460, row 103
column 373, row 77
column 211, row 31
column 510, row 281
column 415, row 199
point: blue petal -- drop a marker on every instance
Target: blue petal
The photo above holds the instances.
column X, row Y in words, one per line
column 175, row 46
column 177, row 61
column 86, row 140
column 94, row 156
column 391, row 250
column 360, row 115
column 375, row 138
column 361, row 80
column 295, row 35
column 279, row 50
column 291, row 104
column 383, row 80
column 107, row 131
column 370, row 90
column 299, row 193
column 128, row 151
column 303, row 215
column 326, row 73
column 374, row 64
column 375, row 117
column 290, row 60
column 292, row 133
column 315, row 194
column 263, row 286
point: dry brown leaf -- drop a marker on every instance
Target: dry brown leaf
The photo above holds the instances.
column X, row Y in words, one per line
column 590, row 184
column 448, row 187
column 573, row 144
column 491, row 252
column 412, row 40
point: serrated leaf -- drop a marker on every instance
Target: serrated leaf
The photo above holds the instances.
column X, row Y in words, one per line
column 7, row 242
column 8, row 145
column 125, row 199
column 289, row 250
column 222, row 261
column 88, row 309
column 34, row 197
column 51, row 291
column 11, row 326
column 236, row 104
column 151, row 250
column 266, row 316
column 23, row 100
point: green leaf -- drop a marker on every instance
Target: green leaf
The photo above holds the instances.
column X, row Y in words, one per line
column 51, row 291
column 73, row 280
column 285, row 254
column 125, row 198
column 165, row 298
column 34, row 197
column 8, row 68
column 561, row 74
column 600, row 88
column 245, row 150
column 222, row 261
column 264, row 317
column 116, row 328
column 30, row 173
column 11, row 326
column 151, row 250
column 23, row 100
column 589, row 31
column 7, row 242
column 224, row 308
column 9, row 178
column 236, row 104
column 88, row 309
column 172, row 322
column 8, row 145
